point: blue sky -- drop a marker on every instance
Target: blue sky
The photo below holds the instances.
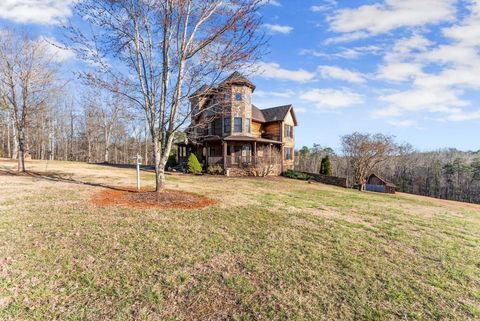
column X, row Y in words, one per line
column 408, row 68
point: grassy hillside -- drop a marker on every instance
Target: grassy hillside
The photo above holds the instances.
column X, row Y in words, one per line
column 270, row 249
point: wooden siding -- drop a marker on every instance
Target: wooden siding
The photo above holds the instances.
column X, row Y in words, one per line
column 256, row 129
column 272, row 131
column 289, row 142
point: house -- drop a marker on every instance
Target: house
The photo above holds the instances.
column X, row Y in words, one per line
column 378, row 184
column 227, row 130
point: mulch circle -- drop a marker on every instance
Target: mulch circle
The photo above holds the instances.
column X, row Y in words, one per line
column 167, row 199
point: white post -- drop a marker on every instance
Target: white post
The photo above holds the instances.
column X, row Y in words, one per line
column 138, row 159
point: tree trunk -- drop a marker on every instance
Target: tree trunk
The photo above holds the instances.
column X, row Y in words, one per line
column 159, row 166
column 21, row 151
column 15, row 142
column 9, row 146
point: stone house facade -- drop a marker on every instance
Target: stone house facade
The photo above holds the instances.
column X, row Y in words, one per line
column 229, row 132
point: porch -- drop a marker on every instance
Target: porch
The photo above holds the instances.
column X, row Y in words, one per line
column 237, row 153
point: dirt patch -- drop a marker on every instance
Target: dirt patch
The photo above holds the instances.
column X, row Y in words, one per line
column 167, row 199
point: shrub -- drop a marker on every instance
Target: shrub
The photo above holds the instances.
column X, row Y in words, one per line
column 171, row 161
column 326, row 166
column 290, row 173
column 193, row 165
column 215, row 170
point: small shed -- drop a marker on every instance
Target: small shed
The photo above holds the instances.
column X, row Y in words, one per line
column 379, row 185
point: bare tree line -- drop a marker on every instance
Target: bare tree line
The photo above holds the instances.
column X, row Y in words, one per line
column 447, row 174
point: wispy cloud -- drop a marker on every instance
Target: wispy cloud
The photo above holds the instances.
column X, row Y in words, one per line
column 333, row 72
column 275, row 3
column 373, row 19
column 275, row 71
column 276, row 28
column 331, row 99
column 326, row 5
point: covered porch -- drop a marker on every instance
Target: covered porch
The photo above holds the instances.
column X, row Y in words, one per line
column 243, row 152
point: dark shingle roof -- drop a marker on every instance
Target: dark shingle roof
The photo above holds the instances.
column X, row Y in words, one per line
column 200, row 90
column 276, row 113
column 257, row 114
column 238, row 78
column 272, row 114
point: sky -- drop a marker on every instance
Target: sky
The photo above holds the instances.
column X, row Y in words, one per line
column 407, row 68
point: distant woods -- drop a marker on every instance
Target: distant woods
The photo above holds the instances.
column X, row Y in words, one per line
column 447, row 174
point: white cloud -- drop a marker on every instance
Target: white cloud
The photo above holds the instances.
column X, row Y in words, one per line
column 275, row 71
column 433, row 100
column 373, row 19
column 331, row 99
column 439, row 74
column 275, row 28
column 399, row 71
column 325, row 6
column 403, row 123
column 333, row 72
column 36, row 11
column 344, row 53
column 271, row 2
column 280, row 94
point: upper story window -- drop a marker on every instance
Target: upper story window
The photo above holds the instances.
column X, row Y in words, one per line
column 226, row 125
column 288, row 153
column 226, row 96
column 248, row 124
column 237, row 125
column 289, row 131
column 238, row 97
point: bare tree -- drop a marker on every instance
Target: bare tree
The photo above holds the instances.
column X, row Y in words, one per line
column 365, row 151
column 157, row 52
column 269, row 162
column 27, row 80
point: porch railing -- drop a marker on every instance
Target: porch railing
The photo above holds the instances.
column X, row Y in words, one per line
column 243, row 161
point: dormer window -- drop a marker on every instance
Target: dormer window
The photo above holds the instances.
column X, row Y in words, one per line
column 238, row 97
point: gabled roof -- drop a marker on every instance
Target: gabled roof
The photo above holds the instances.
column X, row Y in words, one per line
column 200, row 90
column 238, row 78
column 257, row 114
column 272, row 114
column 387, row 183
column 278, row 113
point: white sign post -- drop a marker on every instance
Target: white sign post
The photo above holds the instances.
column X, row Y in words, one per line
column 138, row 160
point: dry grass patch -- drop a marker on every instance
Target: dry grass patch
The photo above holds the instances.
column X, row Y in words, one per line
column 269, row 249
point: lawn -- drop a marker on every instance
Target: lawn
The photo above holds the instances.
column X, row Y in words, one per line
column 269, row 249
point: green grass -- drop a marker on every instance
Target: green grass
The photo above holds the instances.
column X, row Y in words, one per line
column 272, row 249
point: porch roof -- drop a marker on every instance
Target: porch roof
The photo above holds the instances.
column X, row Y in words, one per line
column 238, row 138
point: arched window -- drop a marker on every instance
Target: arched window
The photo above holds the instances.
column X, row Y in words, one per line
column 238, row 96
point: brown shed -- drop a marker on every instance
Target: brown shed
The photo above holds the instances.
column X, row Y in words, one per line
column 378, row 184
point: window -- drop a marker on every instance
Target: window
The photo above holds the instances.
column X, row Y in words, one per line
column 226, row 125
column 288, row 131
column 211, row 128
column 288, row 153
column 238, row 97
column 237, row 125
column 226, row 96
column 248, row 123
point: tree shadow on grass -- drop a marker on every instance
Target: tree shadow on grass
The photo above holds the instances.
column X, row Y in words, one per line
column 56, row 177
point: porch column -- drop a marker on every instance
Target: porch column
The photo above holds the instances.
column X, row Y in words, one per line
column 207, row 154
column 254, row 153
column 225, row 146
column 270, row 154
column 282, row 157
